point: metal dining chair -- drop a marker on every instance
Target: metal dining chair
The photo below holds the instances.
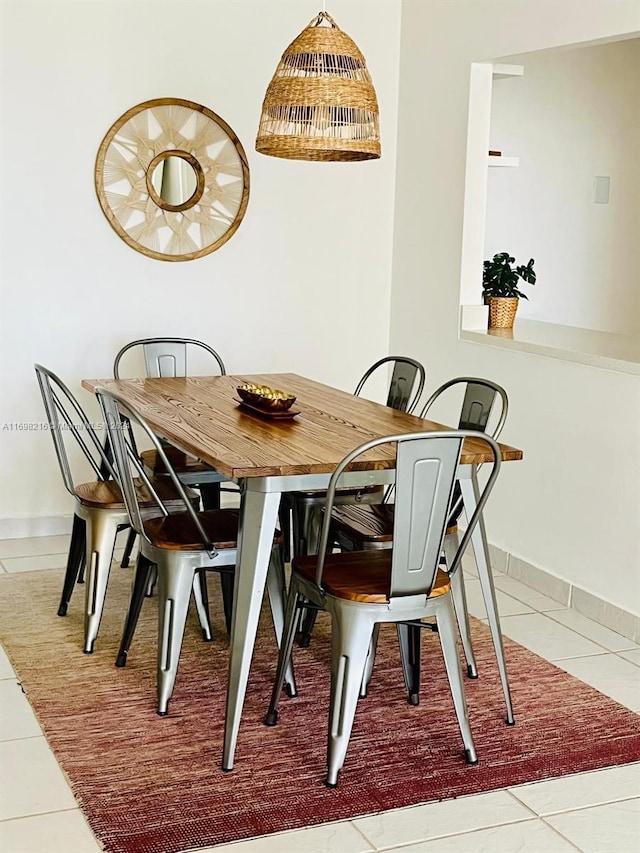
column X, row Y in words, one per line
column 99, row 510
column 358, row 528
column 402, row 585
column 305, row 508
column 170, row 357
column 181, row 546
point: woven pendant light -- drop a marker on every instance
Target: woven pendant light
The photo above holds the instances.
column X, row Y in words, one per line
column 320, row 104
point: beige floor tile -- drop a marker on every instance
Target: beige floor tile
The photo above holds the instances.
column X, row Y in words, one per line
column 507, row 605
column 580, row 790
column 6, row 670
column 547, row 638
column 593, row 631
column 31, row 781
column 612, row 828
column 17, row 720
column 329, row 838
column 34, row 545
column 432, row 820
column 526, row 594
column 609, row 674
column 531, row 836
column 632, row 655
column 41, row 562
column 56, row 832
column 37, row 563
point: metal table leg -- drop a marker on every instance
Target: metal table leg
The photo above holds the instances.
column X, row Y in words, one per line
column 258, row 516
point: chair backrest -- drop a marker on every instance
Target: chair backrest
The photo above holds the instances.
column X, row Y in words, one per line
column 128, row 466
column 426, row 465
column 166, row 357
column 67, row 418
column 477, row 404
column 407, row 381
column 479, row 398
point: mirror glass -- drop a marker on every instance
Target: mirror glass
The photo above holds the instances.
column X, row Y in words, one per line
column 174, row 179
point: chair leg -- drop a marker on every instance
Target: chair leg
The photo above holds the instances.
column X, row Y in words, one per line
column 226, row 587
column 410, row 641
column 277, row 592
column 152, row 580
column 459, row 595
column 128, row 548
column 138, row 589
column 299, row 513
column 371, row 659
column 307, row 624
column 479, row 542
column 101, row 540
column 210, row 494
column 201, row 598
column 313, row 528
column 294, row 601
column 175, row 583
column 284, row 520
column 306, row 522
column 75, row 560
column 446, row 620
column 350, row 643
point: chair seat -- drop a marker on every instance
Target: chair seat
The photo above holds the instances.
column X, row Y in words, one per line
column 107, row 494
column 182, row 463
column 369, row 522
column 359, row 575
column 177, row 532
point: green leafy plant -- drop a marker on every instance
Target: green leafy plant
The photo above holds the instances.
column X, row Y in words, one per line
column 500, row 279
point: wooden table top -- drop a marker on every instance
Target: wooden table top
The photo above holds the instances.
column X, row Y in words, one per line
column 200, row 416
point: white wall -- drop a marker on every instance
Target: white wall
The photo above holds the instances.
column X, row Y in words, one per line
column 303, row 285
column 572, row 506
column 573, row 115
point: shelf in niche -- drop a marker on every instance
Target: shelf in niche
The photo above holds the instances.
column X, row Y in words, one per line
column 501, row 70
column 504, row 162
column 607, row 350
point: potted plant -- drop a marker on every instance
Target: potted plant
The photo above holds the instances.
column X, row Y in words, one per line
column 500, row 288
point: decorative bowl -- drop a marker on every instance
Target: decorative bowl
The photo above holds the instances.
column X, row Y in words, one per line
column 269, row 399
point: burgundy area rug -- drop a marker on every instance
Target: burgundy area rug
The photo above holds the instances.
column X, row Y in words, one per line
column 150, row 784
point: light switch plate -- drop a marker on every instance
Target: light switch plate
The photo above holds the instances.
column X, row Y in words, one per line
column 601, row 185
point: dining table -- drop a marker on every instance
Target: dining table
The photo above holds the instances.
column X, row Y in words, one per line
column 266, row 456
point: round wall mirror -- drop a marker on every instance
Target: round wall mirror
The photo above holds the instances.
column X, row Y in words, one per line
column 172, row 179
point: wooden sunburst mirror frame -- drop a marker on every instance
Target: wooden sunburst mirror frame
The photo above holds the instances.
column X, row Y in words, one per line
column 137, row 144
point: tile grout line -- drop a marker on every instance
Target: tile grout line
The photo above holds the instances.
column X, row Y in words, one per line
column 464, row 834
column 40, row 814
column 362, row 834
column 29, row 737
column 563, row 837
column 632, row 648
column 594, row 772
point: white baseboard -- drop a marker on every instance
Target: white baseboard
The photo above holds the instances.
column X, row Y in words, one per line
column 44, row 525
column 53, row 525
column 586, row 603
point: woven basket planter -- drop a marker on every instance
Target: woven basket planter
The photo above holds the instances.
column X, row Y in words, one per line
column 502, row 311
column 320, row 104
